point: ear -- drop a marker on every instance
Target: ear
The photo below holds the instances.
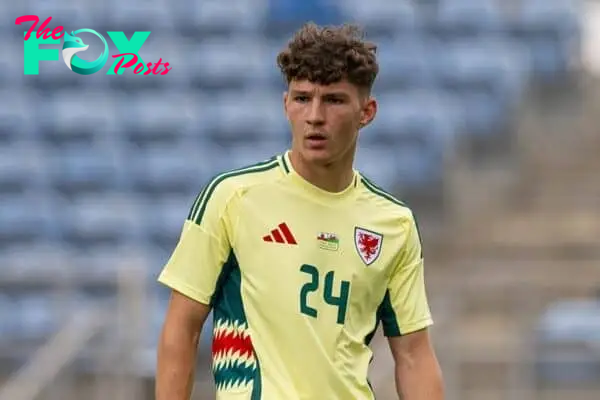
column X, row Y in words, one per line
column 368, row 112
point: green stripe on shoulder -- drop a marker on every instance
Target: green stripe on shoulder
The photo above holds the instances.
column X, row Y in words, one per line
column 285, row 166
column 195, row 206
column 380, row 192
column 200, row 205
column 201, row 197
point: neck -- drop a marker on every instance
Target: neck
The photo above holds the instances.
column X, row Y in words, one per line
column 333, row 177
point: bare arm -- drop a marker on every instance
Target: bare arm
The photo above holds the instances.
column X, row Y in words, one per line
column 178, row 346
column 418, row 374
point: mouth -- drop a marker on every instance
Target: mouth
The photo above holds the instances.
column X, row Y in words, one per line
column 316, row 141
column 316, row 137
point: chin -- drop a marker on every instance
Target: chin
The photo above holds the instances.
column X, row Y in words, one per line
column 318, row 156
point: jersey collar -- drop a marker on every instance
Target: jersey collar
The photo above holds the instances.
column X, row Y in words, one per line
column 298, row 180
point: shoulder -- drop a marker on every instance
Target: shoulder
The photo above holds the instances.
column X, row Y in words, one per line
column 385, row 202
column 231, row 181
column 221, row 188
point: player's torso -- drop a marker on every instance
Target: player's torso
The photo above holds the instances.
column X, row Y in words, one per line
column 313, row 275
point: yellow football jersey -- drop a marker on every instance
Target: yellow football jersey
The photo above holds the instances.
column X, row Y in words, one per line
column 298, row 279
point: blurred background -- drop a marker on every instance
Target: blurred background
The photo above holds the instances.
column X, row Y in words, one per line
column 488, row 128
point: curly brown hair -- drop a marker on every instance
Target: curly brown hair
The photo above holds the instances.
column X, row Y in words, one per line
column 329, row 54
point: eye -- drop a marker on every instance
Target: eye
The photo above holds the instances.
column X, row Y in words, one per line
column 301, row 99
column 335, row 100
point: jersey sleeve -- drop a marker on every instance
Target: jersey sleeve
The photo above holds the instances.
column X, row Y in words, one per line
column 405, row 308
column 196, row 264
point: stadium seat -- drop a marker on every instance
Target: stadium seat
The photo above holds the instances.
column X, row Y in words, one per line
column 98, row 221
column 419, row 167
column 565, row 333
column 140, row 15
column 75, row 117
column 157, row 171
column 9, row 329
column 228, row 62
column 85, row 13
column 214, row 17
column 483, row 113
column 420, row 116
column 44, row 258
column 243, row 155
column 382, row 18
column 156, row 257
column 550, row 15
column 475, row 63
column 273, row 124
column 551, row 30
column 20, row 168
column 486, row 76
column 237, row 117
column 24, row 219
column 168, row 216
column 379, row 164
column 408, row 165
column 404, row 63
column 37, row 316
column 12, row 72
column 99, row 268
column 286, row 16
column 249, row 116
column 159, row 117
column 81, row 170
column 467, row 18
column 17, row 121
column 275, row 79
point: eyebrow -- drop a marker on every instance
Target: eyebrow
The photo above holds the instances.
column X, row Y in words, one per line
column 296, row 92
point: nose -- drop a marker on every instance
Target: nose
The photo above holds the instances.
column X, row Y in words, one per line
column 316, row 115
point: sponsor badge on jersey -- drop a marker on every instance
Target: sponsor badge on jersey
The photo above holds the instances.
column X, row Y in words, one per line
column 328, row 241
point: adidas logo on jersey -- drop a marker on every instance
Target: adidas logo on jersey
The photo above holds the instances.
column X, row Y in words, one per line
column 281, row 235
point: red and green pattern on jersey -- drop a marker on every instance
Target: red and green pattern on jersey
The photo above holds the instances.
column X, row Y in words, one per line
column 235, row 365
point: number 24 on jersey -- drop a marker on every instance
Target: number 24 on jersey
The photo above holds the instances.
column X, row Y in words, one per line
column 340, row 301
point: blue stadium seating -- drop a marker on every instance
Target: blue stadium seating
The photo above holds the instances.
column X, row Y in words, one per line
column 550, row 30
column 405, row 62
column 467, row 18
column 24, row 219
column 10, row 327
column 101, row 166
column 19, row 169
column 12, row 72
column 17, row 118
column 37, row 316
column 80, row 170
column 566, row 335
column 384, row 19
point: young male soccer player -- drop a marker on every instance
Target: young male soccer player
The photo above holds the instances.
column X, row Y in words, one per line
column 300, row 257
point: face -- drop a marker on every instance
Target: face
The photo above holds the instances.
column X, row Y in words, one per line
column 325, row 119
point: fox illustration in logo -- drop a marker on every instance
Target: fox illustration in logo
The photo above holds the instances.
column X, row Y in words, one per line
column 72, row 45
